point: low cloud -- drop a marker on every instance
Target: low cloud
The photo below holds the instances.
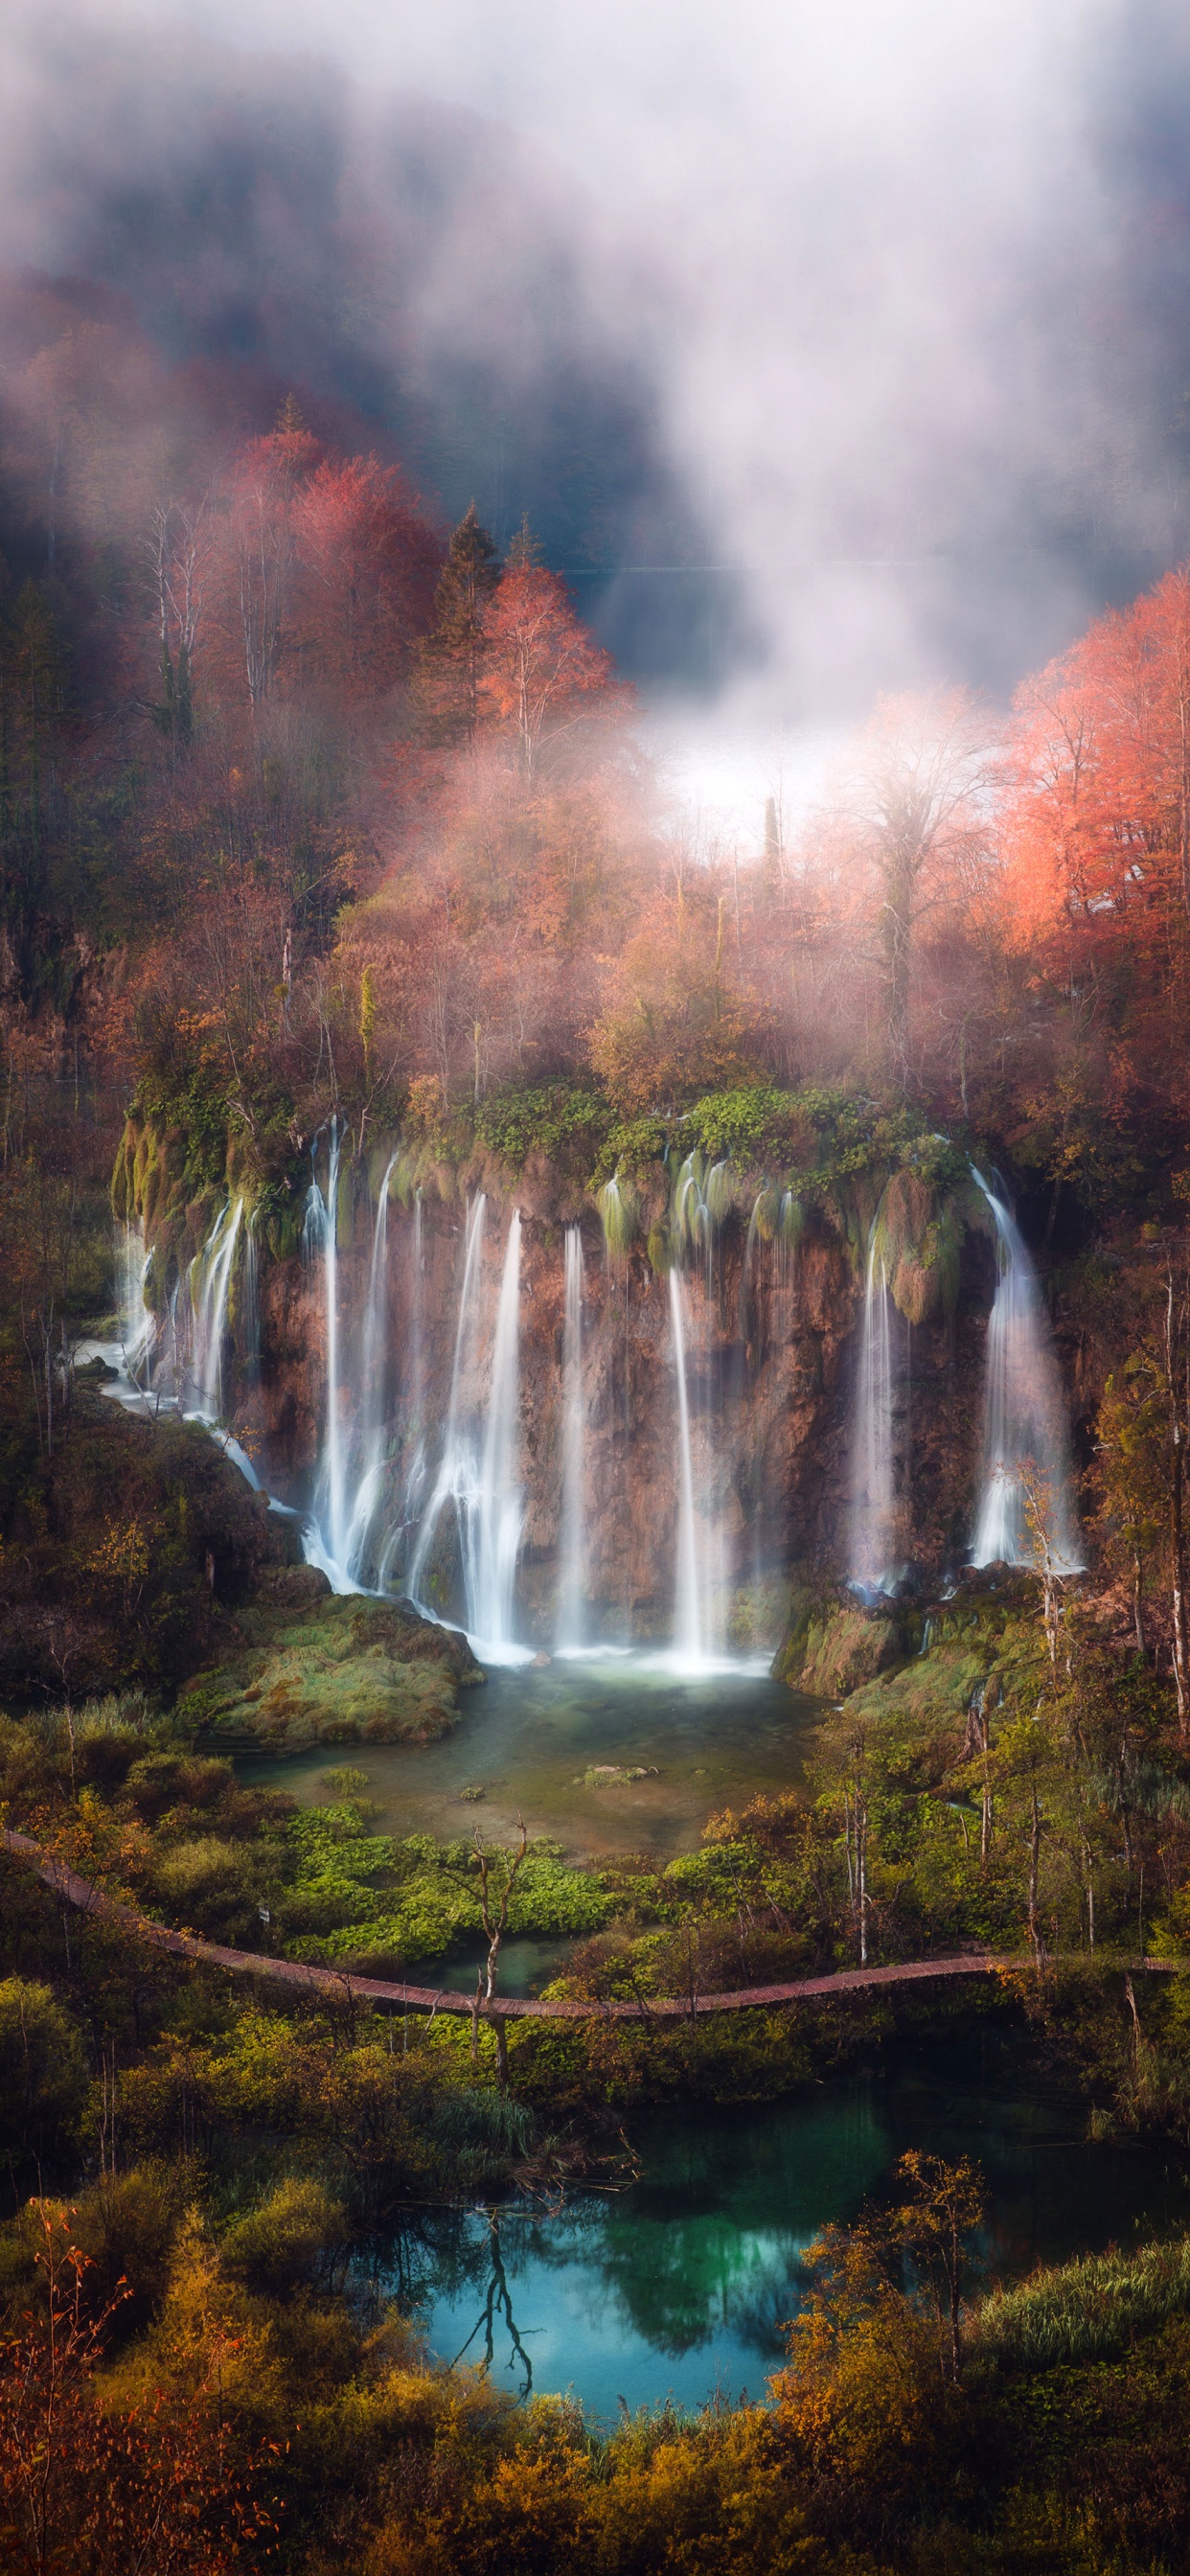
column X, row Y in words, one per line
column 829, row 351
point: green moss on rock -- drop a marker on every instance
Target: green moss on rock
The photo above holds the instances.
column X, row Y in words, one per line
column 832, row 1650
column 319, row 1670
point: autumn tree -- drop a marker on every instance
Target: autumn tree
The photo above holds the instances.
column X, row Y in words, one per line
column 180, row 564
column 39, row 1235
column 260, row 549
column 1097, row 819
column 913, row 821
column 935, row 2223
column 365, row 560
column 89, row 2490
column 1131, row 1451
column 857, row 2402
column 1144, row 1430
column 543, row 672
column 674, row 1020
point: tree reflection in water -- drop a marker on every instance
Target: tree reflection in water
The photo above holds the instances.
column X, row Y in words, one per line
column 497, row 2303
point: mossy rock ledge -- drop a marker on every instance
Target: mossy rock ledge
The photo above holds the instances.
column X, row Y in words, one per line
column 309, row 1667
column 832, row 1648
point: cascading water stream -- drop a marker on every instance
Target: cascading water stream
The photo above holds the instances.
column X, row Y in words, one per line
column 364, row 1471
column 413, row 1472
column 213, row 1266
column 416, row 1473
column 1026, row 1463
column 250, row 1293
column 458, row 1465
column 572, row 1570
column 321, row 1238
column 137, row 1322
column 496, row 1518
column 688, row 1638
column 872, row 1567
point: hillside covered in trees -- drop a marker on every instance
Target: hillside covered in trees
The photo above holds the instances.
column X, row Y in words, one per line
column 318, row 815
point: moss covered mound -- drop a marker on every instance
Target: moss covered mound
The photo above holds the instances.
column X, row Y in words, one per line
column 126, row 1557
column 833, row 1648
column 313, row 1669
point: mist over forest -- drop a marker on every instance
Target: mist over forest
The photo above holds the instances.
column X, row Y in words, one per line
column 594, row 1290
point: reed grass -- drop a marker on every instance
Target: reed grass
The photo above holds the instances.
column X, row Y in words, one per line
column 1083, row 2310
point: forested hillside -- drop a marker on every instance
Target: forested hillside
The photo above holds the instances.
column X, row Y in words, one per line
column 321, row 816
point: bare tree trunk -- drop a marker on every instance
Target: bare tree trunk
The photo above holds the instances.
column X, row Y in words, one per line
column 485, row 1989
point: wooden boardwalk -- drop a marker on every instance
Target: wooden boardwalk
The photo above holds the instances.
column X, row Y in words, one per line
column 337, row 1985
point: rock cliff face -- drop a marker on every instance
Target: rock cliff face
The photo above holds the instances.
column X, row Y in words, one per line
column 771, row 1344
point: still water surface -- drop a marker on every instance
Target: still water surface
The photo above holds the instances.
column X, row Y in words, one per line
column 679, row 2286
column 527, row 1740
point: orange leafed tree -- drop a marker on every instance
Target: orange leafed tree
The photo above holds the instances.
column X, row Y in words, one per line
column 1097, row 818
column 86, row 2490
column 367, row 565
column 544, row 672
column 675, row 1021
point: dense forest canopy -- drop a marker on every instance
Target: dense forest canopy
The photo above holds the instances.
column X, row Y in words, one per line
column 307, row 804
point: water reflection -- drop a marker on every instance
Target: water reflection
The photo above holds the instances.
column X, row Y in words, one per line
column 496, row 2313
column 529, row 1742
column 683, row 2284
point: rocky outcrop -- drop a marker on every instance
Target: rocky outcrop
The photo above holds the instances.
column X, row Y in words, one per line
column 311, row 1669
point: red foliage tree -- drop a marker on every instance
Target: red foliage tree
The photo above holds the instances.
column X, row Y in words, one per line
column 367, row 566
column 543, row 672
column 84, row 2491
column 1097, row 821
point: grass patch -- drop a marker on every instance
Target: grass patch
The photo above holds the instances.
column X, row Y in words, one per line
column 1084, row 2310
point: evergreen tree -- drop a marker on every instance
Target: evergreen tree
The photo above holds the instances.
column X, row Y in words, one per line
column 451, row 661
column 524, row 552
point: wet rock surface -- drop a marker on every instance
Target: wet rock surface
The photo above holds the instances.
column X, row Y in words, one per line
column 770, row 1367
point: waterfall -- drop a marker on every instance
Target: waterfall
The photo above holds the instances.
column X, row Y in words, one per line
column 495, row 1522
column 415, row 1474
column 687, row 1622
column 872, row 1567
column 1024, row 1418
column 572, row 1569
column 250, row 1293
column 787, row 1238
column 213, row 1266
column 321, row 1236
column 364, row 1473
column 458, row 1465
column 137, row 1322
column 413, row 1466
column 691, row 1214
column 751, row 1319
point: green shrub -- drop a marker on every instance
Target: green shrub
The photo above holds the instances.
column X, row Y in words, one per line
column 43, row 2075
column 558, row 1120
